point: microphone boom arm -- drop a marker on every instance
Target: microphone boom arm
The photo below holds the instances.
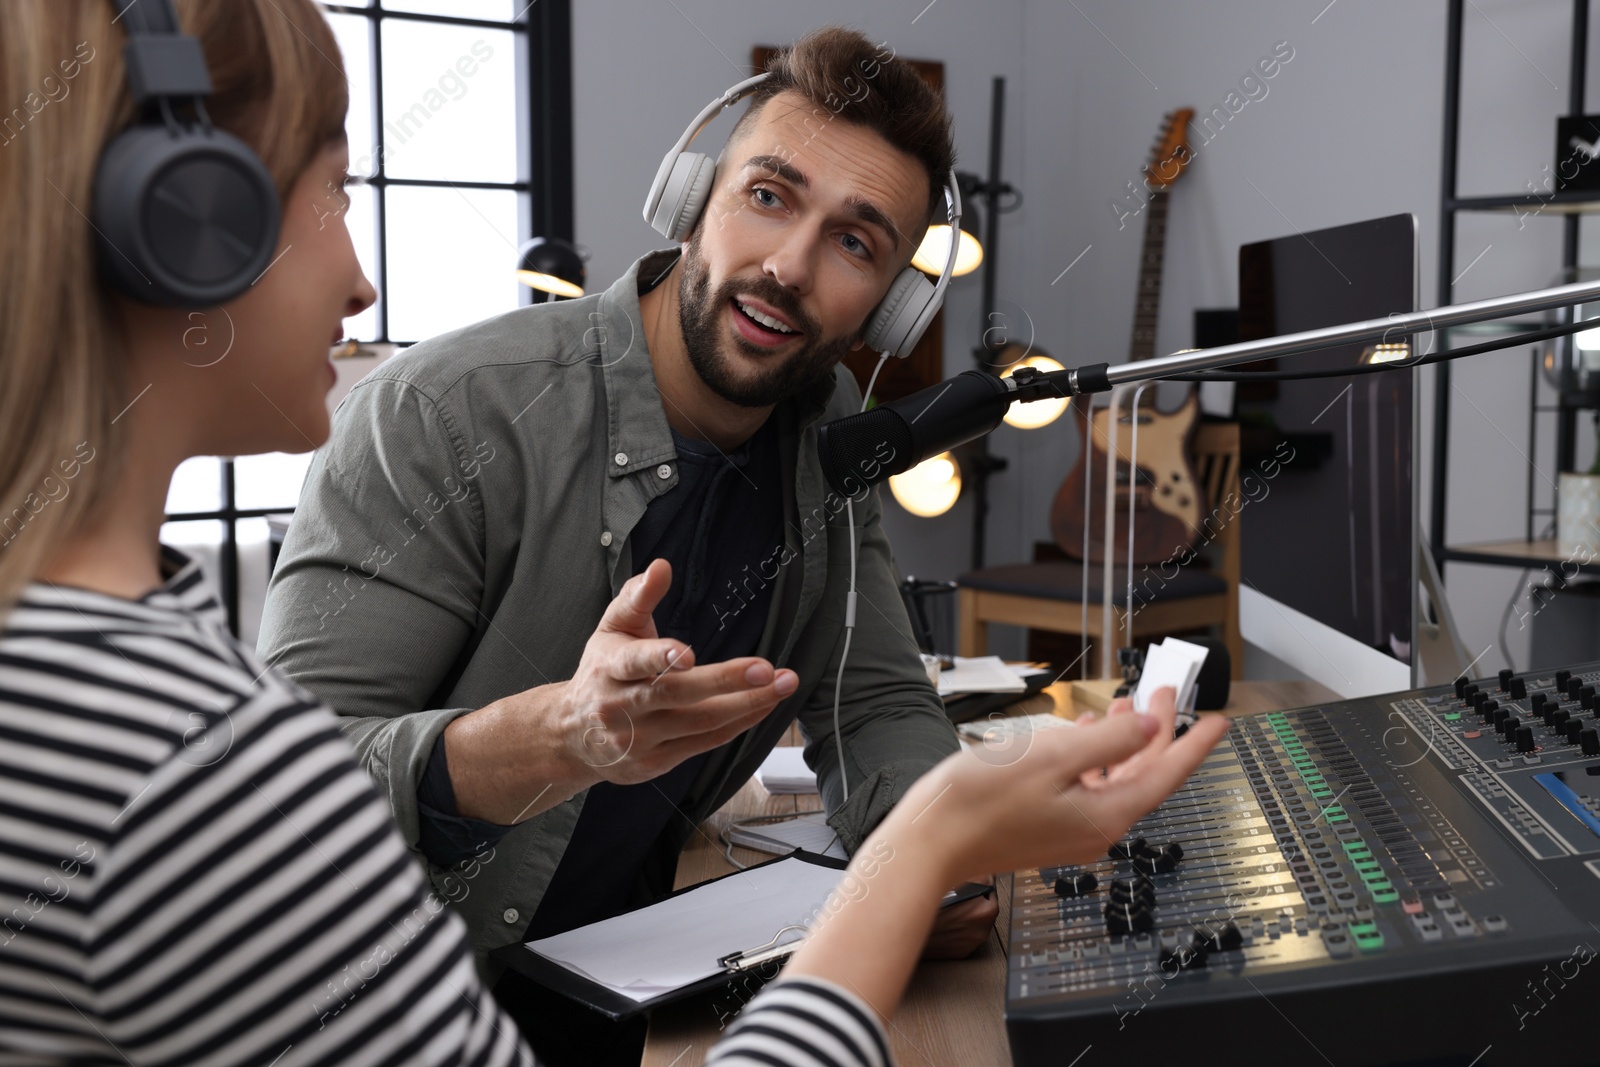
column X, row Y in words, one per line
column 859, row 451
column 1100, row 377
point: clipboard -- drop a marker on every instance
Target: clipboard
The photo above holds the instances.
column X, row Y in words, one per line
column 742, row 969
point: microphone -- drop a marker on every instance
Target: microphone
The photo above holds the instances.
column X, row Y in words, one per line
column 859, row 451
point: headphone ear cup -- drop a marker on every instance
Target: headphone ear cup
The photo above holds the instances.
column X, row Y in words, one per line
column 684, row 196
column 187, row 220
column 894, row 324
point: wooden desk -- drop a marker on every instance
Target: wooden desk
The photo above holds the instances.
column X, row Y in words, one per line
column 953, row 1011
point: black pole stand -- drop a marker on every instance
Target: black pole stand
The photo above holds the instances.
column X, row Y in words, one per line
column 977, row 461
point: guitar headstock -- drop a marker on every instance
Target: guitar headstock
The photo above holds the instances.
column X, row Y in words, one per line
column 1170, row 156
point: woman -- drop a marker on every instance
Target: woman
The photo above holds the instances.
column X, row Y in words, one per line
column 192, row 867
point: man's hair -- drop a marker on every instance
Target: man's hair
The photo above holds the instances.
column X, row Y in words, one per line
column 848, row 78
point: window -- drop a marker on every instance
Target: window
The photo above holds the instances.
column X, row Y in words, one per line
column 460, row 124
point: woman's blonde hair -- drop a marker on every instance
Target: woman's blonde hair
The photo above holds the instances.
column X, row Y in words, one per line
column 279, row 84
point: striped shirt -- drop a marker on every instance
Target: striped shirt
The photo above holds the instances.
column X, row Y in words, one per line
column 193, row 869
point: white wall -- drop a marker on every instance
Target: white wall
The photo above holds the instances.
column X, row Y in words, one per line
column 1349, row 129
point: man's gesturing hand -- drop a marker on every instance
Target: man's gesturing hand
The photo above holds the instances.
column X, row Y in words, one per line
column 636, row 707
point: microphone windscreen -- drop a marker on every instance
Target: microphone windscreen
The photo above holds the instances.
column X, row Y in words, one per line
column 862, row 450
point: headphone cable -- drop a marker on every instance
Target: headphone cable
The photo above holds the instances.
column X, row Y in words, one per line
column 850, row 600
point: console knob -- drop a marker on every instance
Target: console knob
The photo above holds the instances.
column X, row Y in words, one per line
column 1461, row 687
column 1076, row 885
column 1519, row 689
column 1524, row 739
column 1589, row 741
column 1538, row 703
column 1506, row 674
column 1123, row 850
column 1572, row 729
column 1557, row 718
column 1574, row 687
column 1561, row 679
column 1498, row 717
column 1510, row 727
column 1586, row 697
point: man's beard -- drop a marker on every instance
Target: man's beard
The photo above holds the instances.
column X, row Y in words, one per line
column 701, row 318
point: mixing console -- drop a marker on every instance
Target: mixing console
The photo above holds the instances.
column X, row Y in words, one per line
column 1413, row 878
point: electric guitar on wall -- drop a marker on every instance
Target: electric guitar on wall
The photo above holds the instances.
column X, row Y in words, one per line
column 1165, row 496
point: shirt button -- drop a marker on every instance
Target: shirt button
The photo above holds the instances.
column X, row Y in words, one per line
column 510, row 915
column 605, row 539
column 622, row 459
column 664, row 472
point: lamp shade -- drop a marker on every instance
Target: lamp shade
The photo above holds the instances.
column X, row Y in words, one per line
column 935, row 249
column 551, row 265
column 930, row 488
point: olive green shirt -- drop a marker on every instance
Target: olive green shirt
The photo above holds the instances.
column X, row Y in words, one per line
column 465, row 527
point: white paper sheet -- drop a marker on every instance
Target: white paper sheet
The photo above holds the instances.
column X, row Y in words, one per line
column 1175, row 663
column 669, row 945
column 785, row 771
column 979, row 674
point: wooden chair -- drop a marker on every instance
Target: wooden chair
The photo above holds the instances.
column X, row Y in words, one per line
column 1047, row 596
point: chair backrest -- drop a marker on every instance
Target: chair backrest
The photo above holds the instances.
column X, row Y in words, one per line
column 1216, row 462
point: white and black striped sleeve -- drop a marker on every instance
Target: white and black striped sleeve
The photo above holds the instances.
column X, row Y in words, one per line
column 803, row 1022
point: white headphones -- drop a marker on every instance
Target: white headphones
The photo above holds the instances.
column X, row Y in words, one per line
column 683, row 185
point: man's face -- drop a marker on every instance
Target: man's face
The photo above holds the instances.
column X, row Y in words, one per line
column 809, row 221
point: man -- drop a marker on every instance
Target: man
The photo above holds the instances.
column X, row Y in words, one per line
column 571, row 572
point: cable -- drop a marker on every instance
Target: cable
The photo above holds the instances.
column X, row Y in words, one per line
column 1374, row 368
column 850, row 602
column 1516, row 595
column 1505, row 617
column 866, row 397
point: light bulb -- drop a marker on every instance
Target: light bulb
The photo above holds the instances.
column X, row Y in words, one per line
column 935, row 249
column 930, row 488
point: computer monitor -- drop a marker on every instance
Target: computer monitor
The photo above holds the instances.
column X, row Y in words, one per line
column 1327, row 527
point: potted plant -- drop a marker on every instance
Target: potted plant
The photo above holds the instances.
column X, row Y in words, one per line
column 1578, row 511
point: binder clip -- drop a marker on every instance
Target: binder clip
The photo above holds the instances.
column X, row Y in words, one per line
column 751, row 958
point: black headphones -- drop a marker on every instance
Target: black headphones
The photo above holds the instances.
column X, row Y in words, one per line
column 186, row 215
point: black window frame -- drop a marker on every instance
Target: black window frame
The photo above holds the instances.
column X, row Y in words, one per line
column 543, row 34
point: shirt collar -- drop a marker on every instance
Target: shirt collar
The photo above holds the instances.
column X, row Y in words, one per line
column 187, row 589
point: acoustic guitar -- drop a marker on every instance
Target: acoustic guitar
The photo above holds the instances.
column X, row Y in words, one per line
column 1160, row 488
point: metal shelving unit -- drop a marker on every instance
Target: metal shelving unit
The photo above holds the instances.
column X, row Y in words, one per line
column 1569, row 205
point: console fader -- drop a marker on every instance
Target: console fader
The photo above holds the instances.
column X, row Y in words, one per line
column 1413, row 878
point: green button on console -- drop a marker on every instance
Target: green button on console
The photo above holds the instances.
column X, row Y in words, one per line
column 1368, row 937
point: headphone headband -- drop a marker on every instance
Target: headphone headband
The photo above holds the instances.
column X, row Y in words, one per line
column 147, row 16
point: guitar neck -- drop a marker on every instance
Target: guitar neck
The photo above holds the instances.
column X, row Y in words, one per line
column 1147, row 301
